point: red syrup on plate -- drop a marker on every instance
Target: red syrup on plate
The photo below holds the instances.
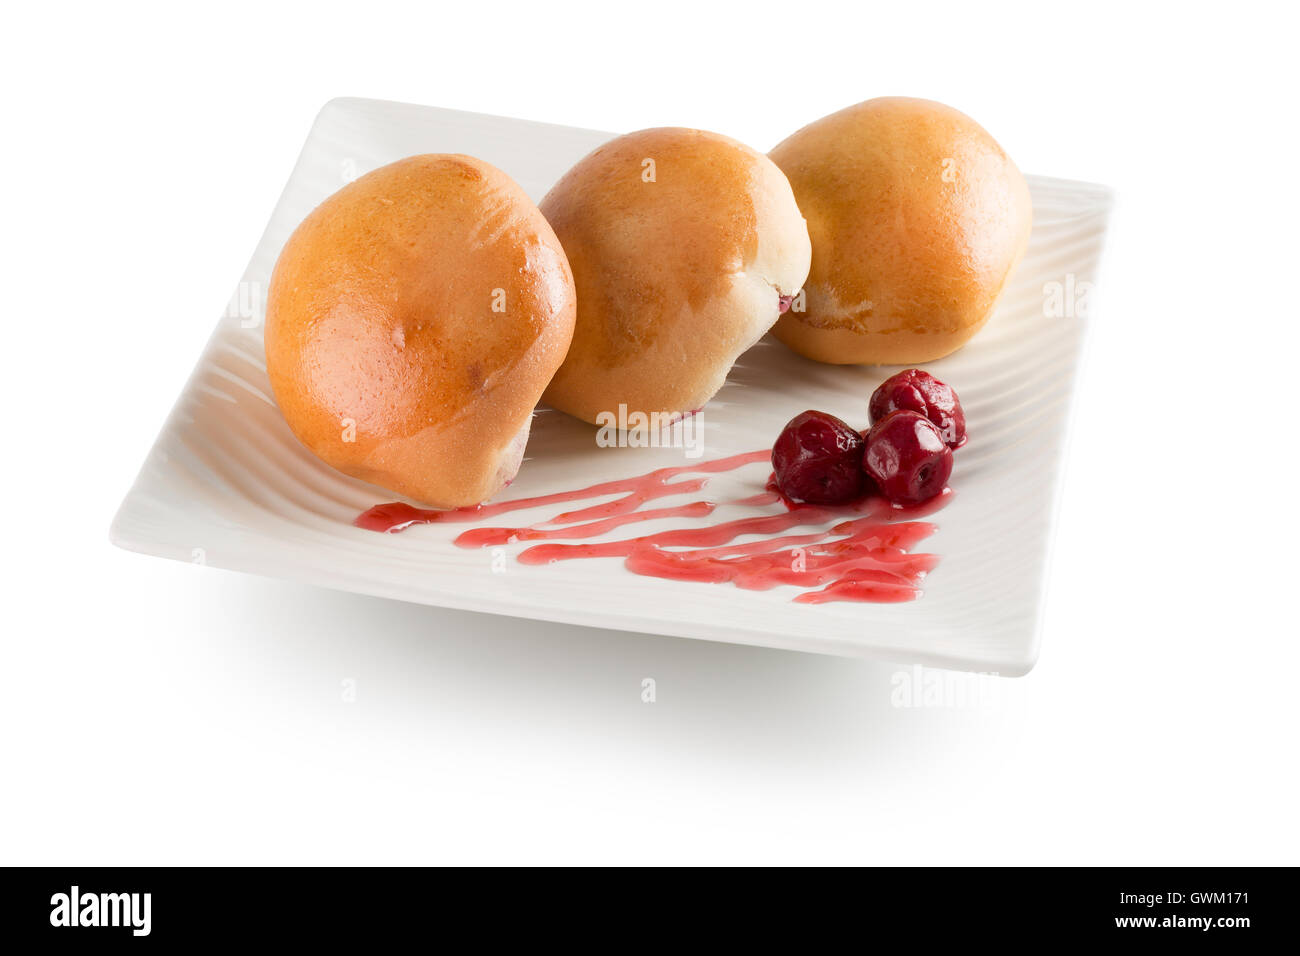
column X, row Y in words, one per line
column 856, row 552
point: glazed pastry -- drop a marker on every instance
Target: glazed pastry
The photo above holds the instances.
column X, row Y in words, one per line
column 413, row 320
column 917, row 217
column 684, row 246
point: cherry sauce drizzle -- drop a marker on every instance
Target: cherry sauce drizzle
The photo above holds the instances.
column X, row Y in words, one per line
column 865, row 555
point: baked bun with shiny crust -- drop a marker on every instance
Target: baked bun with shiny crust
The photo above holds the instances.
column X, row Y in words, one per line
column 917, row 218
column 682, row 243
column 412, row 322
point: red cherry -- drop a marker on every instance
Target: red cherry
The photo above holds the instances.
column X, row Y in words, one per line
column 907, row 457
column 818, row 459
column 918, row 391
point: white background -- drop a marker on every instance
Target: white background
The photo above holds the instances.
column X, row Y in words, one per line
column 158, row 712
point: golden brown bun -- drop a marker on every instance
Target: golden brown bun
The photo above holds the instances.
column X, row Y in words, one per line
column 676, row 276
column 429, row 303
column 917, row 218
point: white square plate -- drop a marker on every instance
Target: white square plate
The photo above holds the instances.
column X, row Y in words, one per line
column 226, row 482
